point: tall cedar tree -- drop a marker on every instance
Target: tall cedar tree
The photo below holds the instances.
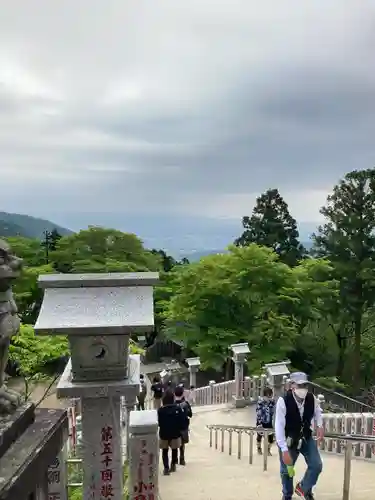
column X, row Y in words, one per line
column 348, row 240
column 271, row 225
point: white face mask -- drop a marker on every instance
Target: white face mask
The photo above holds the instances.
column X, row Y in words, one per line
column 300, row 393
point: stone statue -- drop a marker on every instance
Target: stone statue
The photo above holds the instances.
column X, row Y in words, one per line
column 10, row 267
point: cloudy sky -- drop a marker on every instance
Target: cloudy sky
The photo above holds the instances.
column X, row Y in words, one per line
column 168, row 118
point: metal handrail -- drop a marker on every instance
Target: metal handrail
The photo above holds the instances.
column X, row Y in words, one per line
column 251, row 430
column 349, row 404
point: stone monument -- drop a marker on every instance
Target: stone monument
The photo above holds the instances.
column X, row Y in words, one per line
column 10, row 267
column 276, row 374
column 98, row 312
column 240, row 352
column 193, row 364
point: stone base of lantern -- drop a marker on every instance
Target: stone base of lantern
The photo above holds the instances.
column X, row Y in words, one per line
column 128, row 388
column 102, row 433
column 239, row 402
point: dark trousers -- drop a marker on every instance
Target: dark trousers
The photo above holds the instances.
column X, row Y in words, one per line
column 141, row 404
column 165, row 457
column 271, row 436
column 182, row 452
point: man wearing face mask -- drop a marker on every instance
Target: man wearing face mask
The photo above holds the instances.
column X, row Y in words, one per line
column 295, row 413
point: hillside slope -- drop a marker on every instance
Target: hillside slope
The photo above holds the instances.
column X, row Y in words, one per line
column 27, row 226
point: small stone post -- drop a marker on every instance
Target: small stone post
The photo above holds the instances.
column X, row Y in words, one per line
column 369, row 430
column 129, row 407
column 239, row 357
column 276, row 375
column 58, row 477
column 143, row 455
column 193, row 364
column 98, row 312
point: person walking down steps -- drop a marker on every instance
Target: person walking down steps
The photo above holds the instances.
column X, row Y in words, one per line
column 157, row 390
column 187, row 415
column 265, row 411
column 142, row 393
column 171, row 424
column 294, row 415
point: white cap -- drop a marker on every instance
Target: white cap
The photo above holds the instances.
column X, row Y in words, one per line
column 298, row 378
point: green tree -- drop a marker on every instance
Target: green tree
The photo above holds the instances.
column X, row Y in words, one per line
column 271, row 225
column 31, row 355
column 28, row 249
column 229, row 298
column 168, row 262
column 49, row 242
column 347, row 239
column 54, row 238
column 102, row 250
column 28, row 295
column 312, row 291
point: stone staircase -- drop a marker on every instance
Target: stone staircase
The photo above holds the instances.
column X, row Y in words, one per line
column 212, row 475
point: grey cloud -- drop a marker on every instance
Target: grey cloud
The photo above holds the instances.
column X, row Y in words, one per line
column 233, row 98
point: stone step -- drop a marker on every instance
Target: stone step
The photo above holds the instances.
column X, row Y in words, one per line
column 210, row 474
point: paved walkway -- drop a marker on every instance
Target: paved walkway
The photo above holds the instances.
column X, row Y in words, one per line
column 212, row 475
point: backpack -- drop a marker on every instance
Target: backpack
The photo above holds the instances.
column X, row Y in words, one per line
column 186, row 409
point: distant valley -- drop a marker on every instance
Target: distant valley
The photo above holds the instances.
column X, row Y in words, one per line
column 194, row 256
column 33, row 227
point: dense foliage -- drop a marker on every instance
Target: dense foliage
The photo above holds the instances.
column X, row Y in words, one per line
column 34, row 358
column 247, row 295
column 316, row 309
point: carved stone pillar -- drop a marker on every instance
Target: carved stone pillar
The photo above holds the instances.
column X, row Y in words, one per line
column 143, row 455
column 193, row 364
column 240, row 352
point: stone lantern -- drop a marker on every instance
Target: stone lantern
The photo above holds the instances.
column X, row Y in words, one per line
column 240, row 352
column 276, row 373
column 193, row 364
column 98, row 312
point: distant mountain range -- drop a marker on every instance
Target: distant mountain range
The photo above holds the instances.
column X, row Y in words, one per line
column 33, row 227
column 27, row 226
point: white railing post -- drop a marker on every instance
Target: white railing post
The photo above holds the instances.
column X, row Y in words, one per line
column 212, row 392
column 255, row 387
column 263, row 383
column 247, row 388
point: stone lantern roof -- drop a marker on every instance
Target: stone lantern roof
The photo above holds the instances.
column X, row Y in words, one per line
column 105, row 304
